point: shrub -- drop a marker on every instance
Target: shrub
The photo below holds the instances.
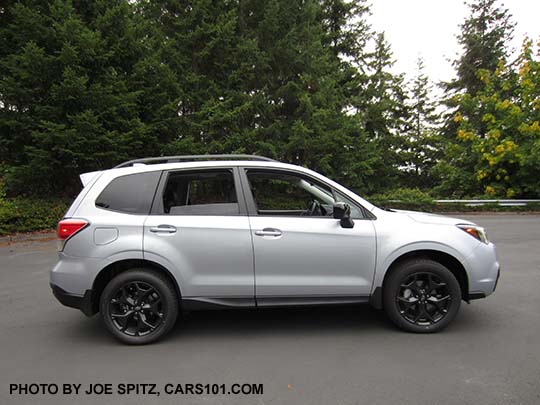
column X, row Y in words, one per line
column 417, row 200
column 29, row 214
column 404, row 198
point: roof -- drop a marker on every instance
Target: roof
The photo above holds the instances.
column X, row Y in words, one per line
column 192, row 158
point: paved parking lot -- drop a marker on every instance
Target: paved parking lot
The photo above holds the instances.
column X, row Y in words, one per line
column 490, row 354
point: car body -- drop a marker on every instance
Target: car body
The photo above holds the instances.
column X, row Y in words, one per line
column 232, row 232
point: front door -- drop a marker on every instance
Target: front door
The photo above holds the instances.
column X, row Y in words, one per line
column 301, row 252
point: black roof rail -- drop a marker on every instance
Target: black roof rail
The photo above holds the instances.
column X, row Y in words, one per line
column 188, row 158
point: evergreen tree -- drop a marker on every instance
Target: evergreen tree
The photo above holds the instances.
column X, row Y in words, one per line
column 346, row 30
column 191, row 54
column 270, row 77
column 384, row 114
column 422, row 142
column 484, row 37
column 84, row 85
column 67, row 106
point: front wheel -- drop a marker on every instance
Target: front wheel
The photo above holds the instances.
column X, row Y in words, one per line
column 421, row 296
column 139, row 306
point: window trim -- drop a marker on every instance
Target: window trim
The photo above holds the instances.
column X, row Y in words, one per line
column 157, row 204
column 250, row 200
column 127, row 175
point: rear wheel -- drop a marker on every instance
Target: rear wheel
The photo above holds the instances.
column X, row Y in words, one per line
column 139, row 306
column 421, row 296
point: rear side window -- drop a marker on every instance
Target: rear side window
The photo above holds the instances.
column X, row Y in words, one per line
column 132, row 194
column 203, row 193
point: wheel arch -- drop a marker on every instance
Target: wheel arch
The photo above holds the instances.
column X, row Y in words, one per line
column 113, row 269
column 446, row 259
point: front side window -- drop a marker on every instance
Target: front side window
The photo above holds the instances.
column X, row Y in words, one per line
column 131, row 194
column 290, row 194
column 211, row 192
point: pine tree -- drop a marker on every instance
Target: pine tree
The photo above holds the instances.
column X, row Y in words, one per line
column 484, row 37
column 384, row 113
column 422, row 140
column 67, row 106
column 84, row 85
column 298, row 86
column 270, row 77
column 345, row 27
column 190, row 54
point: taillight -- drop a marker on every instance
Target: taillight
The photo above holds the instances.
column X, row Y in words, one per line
column 67, row 228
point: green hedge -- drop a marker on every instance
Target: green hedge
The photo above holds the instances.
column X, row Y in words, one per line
column 417, row 200
column 28, row 215
column 454, row 207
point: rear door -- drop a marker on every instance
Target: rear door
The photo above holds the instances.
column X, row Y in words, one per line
column 199, row 227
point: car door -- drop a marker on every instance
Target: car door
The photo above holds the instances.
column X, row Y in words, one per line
column 199, row 227
column 301, row 252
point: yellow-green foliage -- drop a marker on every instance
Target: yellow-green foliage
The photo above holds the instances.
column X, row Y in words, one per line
column 506, row 151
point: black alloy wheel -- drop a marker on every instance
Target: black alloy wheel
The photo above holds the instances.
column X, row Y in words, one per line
column 423, row 299
column 421, row 295
column 136, row 309
column 139, row 306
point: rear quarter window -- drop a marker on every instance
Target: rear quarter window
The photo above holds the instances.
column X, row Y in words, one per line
column 132, row 194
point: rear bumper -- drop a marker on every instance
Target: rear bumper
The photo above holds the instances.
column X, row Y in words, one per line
column 84, row 303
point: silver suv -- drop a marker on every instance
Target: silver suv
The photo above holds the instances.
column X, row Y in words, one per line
column 153, row 237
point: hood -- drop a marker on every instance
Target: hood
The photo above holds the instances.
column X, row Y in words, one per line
column 436, row 219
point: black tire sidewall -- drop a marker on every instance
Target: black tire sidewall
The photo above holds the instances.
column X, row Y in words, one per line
column 405, row 270
column 157, row 281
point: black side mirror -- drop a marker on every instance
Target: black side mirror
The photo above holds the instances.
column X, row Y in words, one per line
column 342, row 211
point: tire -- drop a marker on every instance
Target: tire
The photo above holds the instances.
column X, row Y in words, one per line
column 421, row 296
column 139, row 306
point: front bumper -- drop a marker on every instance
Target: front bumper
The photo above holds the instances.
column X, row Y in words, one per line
column 480, row 294
column 483, row 270
column 84, row 303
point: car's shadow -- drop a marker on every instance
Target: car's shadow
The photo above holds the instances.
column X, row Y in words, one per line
column 275, row 322
column 281, row 321
column 245, row 322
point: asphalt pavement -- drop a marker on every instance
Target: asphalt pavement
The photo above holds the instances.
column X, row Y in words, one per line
column 490, row 354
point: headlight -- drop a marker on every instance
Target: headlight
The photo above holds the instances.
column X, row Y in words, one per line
column 475, row 231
